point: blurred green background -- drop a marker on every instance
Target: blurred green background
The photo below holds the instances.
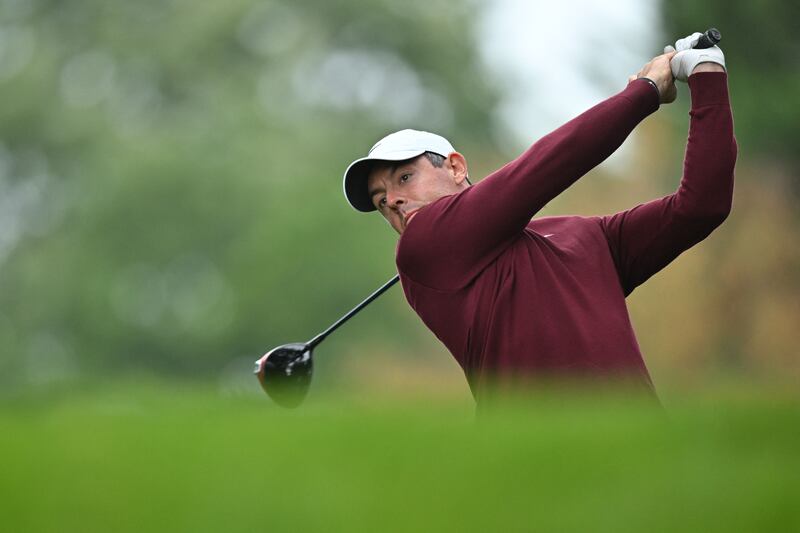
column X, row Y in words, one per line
column 170, row 198
column 171, row 207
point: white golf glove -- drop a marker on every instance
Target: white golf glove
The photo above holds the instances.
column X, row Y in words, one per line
column 687, row 58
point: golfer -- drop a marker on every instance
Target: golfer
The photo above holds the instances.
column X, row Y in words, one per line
column 516, row 299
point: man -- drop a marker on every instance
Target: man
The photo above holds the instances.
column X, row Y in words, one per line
column 514, row 298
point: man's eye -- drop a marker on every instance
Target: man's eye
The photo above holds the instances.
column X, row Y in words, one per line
column 382, row 202
column 405, row 177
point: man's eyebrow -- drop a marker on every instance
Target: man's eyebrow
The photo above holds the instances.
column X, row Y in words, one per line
column 374, row 191
column 392, row 166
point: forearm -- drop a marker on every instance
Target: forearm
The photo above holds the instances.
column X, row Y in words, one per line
column 706, row 189
column 524, row 186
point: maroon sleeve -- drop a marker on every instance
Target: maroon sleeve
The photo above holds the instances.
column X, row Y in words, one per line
column 645, row 239
column 455, row 238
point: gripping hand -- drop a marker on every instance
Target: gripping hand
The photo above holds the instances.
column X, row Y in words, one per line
column 687, row 58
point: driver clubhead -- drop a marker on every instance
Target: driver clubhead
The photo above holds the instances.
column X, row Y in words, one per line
column 285, row 373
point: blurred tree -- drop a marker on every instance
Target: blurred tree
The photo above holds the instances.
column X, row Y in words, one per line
column 762, row 49
column 748, row 310
column 170, row 171
column 170, row 180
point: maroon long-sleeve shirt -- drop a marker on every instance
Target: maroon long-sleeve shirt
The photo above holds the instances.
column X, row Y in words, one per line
column 515, row 298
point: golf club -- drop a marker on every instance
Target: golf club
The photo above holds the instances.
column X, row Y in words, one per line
column 285, row 372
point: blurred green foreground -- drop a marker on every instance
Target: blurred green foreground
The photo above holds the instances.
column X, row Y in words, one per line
column 159, row 459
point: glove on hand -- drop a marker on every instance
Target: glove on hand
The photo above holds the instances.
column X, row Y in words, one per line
column 687, row 58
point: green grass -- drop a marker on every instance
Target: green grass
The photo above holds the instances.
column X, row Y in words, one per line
column 153, row 458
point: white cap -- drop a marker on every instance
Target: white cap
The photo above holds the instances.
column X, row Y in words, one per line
column 398, row 146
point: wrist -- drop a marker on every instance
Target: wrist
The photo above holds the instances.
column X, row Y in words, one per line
column 654, row 85
column 708, row 66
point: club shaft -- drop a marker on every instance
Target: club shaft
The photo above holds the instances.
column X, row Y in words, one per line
column 319, row 338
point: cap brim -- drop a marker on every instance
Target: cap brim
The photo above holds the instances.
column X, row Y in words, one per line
column 355, row 178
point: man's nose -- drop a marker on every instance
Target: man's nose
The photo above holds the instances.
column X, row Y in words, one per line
column 395, row 200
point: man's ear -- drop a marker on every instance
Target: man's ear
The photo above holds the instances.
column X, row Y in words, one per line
column 457, row 165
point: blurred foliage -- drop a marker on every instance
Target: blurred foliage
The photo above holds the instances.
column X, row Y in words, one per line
column 762, row 51
column 744, row 282
column 170, row 194
column 170, row 172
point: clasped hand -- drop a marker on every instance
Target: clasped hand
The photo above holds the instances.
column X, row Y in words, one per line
column 663, row 70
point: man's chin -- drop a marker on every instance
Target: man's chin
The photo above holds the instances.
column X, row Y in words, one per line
column 404, row 224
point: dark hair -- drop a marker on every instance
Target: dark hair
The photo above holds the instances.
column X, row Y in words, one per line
column 437, row 160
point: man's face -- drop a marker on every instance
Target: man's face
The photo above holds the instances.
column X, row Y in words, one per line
column 398, row 190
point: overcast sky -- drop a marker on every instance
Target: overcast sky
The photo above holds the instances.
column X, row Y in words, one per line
column 560, row 58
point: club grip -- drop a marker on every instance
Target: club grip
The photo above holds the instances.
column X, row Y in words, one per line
column 710, row 38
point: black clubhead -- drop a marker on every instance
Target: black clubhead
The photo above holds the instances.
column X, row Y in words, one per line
column 285, row 373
